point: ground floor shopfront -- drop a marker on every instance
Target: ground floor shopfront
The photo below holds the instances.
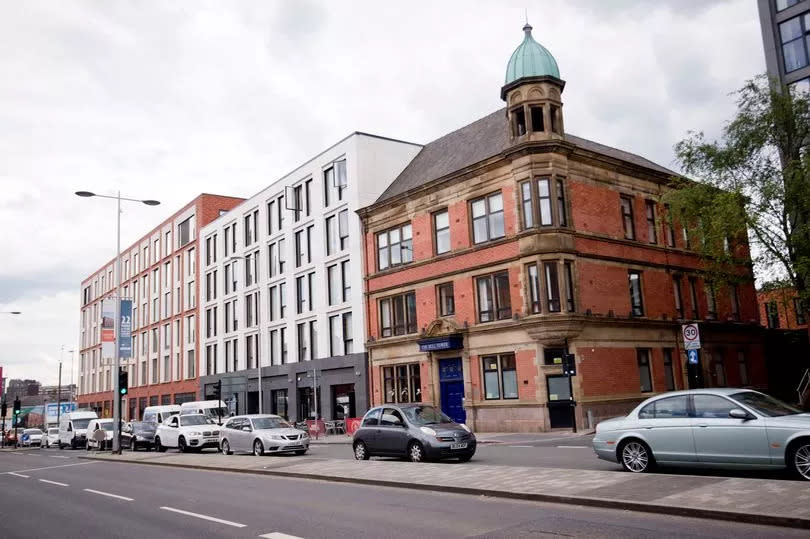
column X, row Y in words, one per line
column 508, row 376
column 337, row 387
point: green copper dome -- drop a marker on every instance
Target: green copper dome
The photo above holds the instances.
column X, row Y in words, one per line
column 530, row 59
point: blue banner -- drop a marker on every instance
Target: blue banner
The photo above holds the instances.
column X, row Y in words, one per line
column 125, row 339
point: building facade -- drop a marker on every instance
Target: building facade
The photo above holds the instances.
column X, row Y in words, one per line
column 508, row 243
column 281, row 286
column 785, row 26
column 160, row 274
column 780, row 308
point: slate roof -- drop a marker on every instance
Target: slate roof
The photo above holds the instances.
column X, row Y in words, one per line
column 477, row 142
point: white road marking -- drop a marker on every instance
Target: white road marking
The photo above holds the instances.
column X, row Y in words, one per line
column 519, row 446
column 205, row 517
column 58, row 457
column 54, row 483
column 108, row 494
column 279, row 535
column 52, row 467
column 572, row 446
column 19, row 475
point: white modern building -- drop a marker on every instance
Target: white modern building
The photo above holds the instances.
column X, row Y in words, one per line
column 282, row 285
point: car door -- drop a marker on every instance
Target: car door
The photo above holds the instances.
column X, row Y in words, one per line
column 240, row 435
column 392, row 436
column 723, row 439
column 172, row 432
column 369, row 430
column 667, row 427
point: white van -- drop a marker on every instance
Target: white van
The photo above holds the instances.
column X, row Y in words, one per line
column 73, row 428
column 212, row 409
column 159, row 414
column 106, row 427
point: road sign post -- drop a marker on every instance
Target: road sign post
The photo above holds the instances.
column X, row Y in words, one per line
column 691, row 343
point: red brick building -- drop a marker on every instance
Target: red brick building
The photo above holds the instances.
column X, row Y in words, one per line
column 509, row 242
column 780, row 308
column 160, row 274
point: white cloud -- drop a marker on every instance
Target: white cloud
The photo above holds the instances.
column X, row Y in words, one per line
column 169, row 99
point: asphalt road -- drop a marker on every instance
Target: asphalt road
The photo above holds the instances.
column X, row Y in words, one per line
column 52, row 493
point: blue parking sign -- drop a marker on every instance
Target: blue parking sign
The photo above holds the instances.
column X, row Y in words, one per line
column 692, row 355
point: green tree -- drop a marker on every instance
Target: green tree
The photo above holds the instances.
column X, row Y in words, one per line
column 756, row 177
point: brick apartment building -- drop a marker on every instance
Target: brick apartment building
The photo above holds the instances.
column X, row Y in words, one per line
column 160, row 273
column 508, row 241
column 780, row 308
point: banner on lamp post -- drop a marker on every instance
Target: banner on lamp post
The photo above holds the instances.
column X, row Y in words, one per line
column 108, row 329
column 125, row 340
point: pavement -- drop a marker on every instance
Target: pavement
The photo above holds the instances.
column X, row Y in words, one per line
column 481, row 437
column 76, row 497
column 740, row 499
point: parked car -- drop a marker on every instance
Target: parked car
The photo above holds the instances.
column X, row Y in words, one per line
column 717, row 428
column 31, row 438
column 261, row 434
column 213, row 409
column 100, row 434
column 52, row 437
column 187, row 432
column 137, row 434
column 159, row 414
column 11, row 437
column 415, row 431
column 73, row 428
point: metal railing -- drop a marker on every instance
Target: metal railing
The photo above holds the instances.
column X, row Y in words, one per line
column 804, row 386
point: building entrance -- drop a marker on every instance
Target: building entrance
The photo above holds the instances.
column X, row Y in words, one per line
column 451, row 382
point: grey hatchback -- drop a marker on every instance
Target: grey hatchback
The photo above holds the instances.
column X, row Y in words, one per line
column 416, row 431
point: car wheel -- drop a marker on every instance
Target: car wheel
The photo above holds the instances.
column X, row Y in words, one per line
column 182, row 445
column 73, row 444
column 799, row 459
column 636, row 456
column 465, row 458
column 360, row 451
column 301, row 452
column 159, row 447
column 258, row 448
column 416, row 453
column 225, row 448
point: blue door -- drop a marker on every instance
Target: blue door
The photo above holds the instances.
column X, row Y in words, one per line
column 451, row 381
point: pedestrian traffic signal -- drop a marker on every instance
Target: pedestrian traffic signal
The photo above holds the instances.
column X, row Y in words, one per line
column 218, row 390
column 123, row 382
column 17, row 406
column 569, row 364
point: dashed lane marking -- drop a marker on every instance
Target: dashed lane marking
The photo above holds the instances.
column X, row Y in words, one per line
column 51, row 467
column 19, row 475
column 57, row 483
column 279, row 535
column 520, row 446
column 58, row 457
column 100, row 493
column 205, row 517
column 572, row 446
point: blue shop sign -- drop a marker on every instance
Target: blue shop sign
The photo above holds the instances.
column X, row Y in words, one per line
column 436, row 344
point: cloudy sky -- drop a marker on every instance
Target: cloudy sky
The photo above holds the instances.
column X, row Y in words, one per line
column 166, row 100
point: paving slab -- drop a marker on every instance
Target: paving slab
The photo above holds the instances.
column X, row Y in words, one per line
column 761, row 501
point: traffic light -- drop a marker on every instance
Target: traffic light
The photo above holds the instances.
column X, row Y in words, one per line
column 3, row 408
column 123, row 382
column 17, row 406
column 218, row 390
column 569, row 364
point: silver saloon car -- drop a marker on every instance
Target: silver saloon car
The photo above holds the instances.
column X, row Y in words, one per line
column 260, row 434
column 717, row 428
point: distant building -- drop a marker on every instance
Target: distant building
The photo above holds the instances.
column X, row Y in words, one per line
column 51, row 393
column 785, row 26
column 780, row 308
column 510, row 242
column 22, row 388
column 160, row 274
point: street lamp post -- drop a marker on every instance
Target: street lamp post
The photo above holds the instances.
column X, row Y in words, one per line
column 261, row 337
column 116, row 446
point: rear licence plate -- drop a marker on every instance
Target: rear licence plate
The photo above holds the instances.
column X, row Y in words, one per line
column 461, row 445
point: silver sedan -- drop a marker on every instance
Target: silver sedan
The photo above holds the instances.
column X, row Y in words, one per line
column 260, row 434
column 717, row 428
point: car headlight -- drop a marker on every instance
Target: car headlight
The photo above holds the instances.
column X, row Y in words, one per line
column 428, row 431
column 195, row 433
column 273, row 437
column 215, row 433
column 465, row 427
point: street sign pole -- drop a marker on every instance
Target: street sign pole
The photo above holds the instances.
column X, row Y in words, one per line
column 691, row 343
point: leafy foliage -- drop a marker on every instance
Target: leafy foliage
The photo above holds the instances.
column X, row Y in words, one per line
column 756, row 178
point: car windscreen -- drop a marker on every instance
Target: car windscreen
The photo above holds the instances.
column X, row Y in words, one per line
column 765, row 404
column 53, row 431
column 186, row 420
column 80, row 423
column 32, row 431
column 270, row 423
column 107, row 426
column 144, row 427
column 217, row 412
column 425, row 415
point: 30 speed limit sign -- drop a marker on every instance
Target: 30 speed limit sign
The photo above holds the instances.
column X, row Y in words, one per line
column 691, row 336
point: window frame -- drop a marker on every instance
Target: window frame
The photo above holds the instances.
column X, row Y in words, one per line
column 393, row 387
column 437, row 231
column 487, row 217
column 649, row 213
column 497, row 312
column 500, row 370
column 636, row 310
column 408, row 326
column 404, row 246
column 644, row 360
column 628, row 220
column 440, row 299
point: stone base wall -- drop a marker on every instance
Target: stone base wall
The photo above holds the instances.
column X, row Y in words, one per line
column 508, row 419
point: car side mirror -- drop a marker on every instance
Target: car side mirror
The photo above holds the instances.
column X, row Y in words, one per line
column 738, row 413
column 246, row 429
